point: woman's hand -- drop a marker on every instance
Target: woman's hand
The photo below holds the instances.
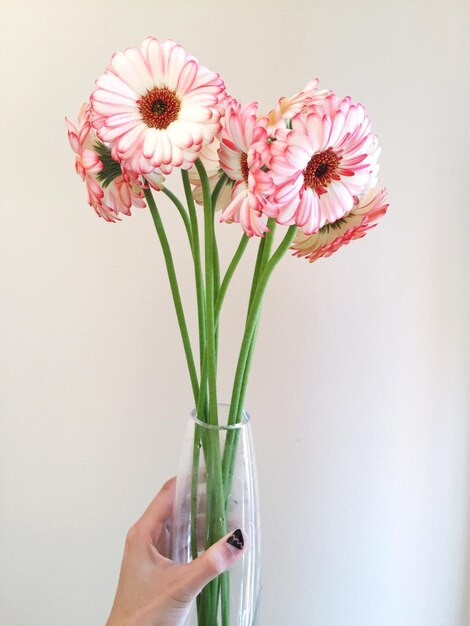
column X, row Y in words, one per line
column 152, row 589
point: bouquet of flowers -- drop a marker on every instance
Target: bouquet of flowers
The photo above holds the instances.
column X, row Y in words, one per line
column 308, row 168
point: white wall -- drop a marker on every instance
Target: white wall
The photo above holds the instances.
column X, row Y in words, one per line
column 358, row 391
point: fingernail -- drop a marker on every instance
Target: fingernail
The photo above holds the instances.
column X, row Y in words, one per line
column 236, row 539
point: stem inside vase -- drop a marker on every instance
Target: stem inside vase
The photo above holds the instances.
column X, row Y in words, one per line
column 210, row 504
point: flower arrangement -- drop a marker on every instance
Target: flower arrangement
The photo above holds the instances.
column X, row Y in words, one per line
column 308, row 167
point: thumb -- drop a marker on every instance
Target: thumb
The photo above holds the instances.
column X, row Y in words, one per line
column 215, row 560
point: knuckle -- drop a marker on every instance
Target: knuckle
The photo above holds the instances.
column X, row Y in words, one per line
column 133, row 535
column 214, row 564
column 181, row 594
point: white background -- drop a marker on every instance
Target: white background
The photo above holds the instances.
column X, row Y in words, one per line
column 359, row 386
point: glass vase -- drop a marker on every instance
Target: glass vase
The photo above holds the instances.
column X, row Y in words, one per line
column 217, row 493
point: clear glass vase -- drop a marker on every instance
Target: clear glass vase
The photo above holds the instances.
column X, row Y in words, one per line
column 216, row 493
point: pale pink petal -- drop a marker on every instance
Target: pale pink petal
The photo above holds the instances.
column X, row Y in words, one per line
column 132, row 69
column 304, row 209
column 175, row 61
column 186, row 77
column 110, row 82
column 122, row 106
column 354, row 225
column 150, row 142
column 131, row 138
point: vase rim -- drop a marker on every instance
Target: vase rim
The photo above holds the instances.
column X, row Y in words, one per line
column 245, row 418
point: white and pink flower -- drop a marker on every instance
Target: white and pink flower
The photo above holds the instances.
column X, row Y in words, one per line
column 243, row 152
column 287, row 108
column 355, row 225
column 210, row 159
column 111, row 190
column 327, row 160
column 157, row 106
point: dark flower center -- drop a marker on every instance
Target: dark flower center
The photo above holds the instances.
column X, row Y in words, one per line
column 321, row 170
column 159, row 107
column 244, row 166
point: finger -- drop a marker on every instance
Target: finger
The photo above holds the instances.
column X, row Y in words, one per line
column 215, row 560
column 187, row 507
column 153, row 520
column 163, row 542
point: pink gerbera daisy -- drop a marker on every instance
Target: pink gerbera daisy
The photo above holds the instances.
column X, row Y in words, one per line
column 110, row 188
column 157, row 106
column 210, row 159
column 243, row 148
column 328, row 159
column 331, row 237
column 287, row 108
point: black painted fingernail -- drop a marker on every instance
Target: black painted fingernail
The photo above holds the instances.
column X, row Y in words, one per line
column 236, row 539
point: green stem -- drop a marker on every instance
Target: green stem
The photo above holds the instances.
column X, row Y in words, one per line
column 174, row 291
column 246, row 352
column 252, row 320
column 209, row 271
column 215, row 194
column 182, row 212
column 200, row 295
column 217, row 523
column 225, row 590
column 229, row 274
column 203, row 599
column 218, row 188
column 194, row 494
column 216, row 271
column 264, row 254
column 269, row 238
column 218, row 307
column 214, row 197
column 216, row 293
column 256, row 272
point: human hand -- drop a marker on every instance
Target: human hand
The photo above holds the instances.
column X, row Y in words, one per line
column 152, row 589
